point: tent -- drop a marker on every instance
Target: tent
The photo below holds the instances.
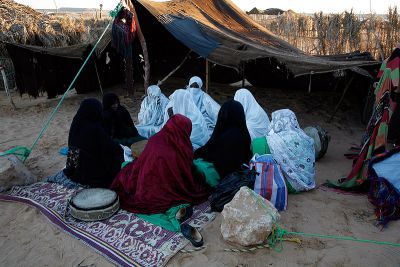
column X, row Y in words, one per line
column 39, row 69
column 225, row 35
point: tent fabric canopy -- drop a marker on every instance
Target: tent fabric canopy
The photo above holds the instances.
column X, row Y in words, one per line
column 222, row 33
column 73, row 51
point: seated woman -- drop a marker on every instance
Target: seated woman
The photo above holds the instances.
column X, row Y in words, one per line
column 256, row 118
column 293, row 150
column 161, row 177
column 229, row 145
column 93, row 158
column 118, row 122
column 207, row 106
column 181, row 103
column 151, row 114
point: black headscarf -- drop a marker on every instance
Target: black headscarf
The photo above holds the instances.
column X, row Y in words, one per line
column 100, row 158
column 117, row 123
column 229, row 145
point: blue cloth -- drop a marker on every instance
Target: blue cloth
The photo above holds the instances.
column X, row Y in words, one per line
column 62, row 179
column 63, row 151
column 197, row 40
column 390, row 170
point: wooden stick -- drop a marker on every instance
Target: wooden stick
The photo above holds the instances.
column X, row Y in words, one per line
column 341, row 98
column 174, row 70
column 3, row 73
column 207, row 75
column 98, row 77
column 143, row 44
column 243, row 78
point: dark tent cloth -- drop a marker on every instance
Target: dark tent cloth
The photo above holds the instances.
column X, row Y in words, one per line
column 100, row 158
column 227, row 36
column 161, row 177
column 229, row 145
column 118, row 123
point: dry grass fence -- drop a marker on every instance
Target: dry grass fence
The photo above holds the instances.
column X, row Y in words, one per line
column 24, row 25
column 329, row 34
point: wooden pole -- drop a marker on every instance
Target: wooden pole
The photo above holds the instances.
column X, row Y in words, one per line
column 98, row 77
column 142, row 40
column 207, row 75
column 243, row 75
column 174, row 70
column 3, row 73
column 341, row 98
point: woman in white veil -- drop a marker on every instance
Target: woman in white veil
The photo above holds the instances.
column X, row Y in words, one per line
column 208, row 107
column 181, row 103
column 151, row 114
column 256, row 118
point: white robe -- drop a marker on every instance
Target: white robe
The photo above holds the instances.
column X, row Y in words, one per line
column 151, row 114
column 182, row 103
column 208, row 107
column 204, row 102
column 257, row 120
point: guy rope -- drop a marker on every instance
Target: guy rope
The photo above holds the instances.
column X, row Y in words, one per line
column 24, row 152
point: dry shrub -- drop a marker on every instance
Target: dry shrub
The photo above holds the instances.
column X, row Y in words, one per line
column 329, row 34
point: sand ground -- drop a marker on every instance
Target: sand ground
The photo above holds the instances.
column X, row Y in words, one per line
column 29, row 239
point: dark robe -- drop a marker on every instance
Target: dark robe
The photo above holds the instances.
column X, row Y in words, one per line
column 99, row 158
column 229, row 145
column 118, row 123
column 161, row 177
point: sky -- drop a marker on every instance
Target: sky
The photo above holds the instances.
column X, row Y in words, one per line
column 301, row 6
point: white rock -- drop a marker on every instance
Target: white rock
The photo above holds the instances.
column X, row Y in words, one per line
column 248, row 219
column 13, row 172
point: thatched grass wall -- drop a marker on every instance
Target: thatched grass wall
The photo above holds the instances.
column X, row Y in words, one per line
column 24, row 25
column 329, row 34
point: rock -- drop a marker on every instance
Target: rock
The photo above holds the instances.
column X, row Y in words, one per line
column 13, row 172
column 248, row 219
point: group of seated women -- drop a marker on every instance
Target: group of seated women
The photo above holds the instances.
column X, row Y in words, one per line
column 189, row 125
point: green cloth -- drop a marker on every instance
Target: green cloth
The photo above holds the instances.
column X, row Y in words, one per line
column 290, row 188
column 166, row 220
column 260, row 146
column 125, row 163
column 205, row 170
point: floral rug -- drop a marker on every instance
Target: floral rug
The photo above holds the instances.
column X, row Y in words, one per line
column 124, row 239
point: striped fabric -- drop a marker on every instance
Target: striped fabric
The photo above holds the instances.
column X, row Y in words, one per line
column 375, row 139
column 269, row 183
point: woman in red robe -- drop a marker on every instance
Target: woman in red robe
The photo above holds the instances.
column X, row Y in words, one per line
column 161, row 177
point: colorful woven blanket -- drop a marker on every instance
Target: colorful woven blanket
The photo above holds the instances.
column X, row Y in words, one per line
column 375, row 138
column 124, row 239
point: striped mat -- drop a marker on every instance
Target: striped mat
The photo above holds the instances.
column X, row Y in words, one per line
column 124, row 239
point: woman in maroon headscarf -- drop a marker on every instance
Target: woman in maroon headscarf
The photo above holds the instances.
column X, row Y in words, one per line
column 161, row 177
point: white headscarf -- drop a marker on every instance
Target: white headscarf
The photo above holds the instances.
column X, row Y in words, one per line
column 256, row 118
column 195, row 79
column 151, row 114
column 204, row 102
column 182, row 103
column 292, row 149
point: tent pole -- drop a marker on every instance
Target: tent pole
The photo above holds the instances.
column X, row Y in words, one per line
column 143, row 44
column 243, row 75
column 207, row 75
column 341, row 98
column 6, row 87
column 174, row 70
column 98, row 77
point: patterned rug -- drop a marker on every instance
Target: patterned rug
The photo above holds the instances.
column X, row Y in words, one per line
column 124, row 239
